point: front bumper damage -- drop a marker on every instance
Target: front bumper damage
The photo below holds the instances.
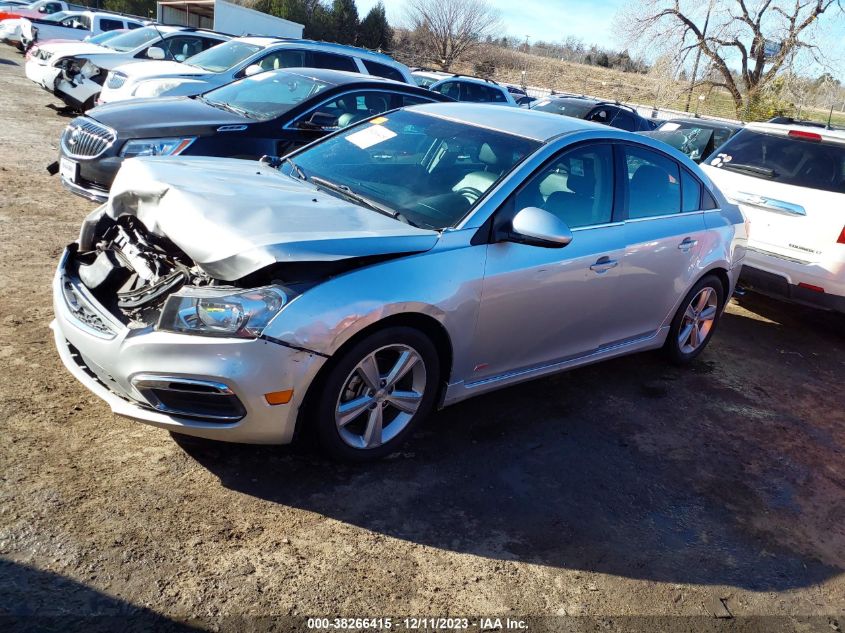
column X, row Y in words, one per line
column 124, row 366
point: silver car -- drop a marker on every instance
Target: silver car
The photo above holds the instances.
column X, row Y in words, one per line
column 415, row 260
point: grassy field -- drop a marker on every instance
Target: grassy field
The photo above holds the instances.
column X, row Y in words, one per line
column 614, row 84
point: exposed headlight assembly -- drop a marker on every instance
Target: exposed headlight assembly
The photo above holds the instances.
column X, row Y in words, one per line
column 222, row 312
column 155, row 87
column 155, row 147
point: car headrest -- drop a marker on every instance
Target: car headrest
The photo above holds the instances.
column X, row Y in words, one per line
column 649, row 177
column 375, row 103
column 487, row 155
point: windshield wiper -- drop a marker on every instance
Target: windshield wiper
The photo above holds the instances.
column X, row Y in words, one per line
column 357, row 197
column 296, row 169
column 766, row 172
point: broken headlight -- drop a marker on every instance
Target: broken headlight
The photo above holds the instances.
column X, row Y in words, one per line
column 222, row 312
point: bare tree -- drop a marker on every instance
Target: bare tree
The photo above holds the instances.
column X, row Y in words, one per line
column 451, row 28
column 761, row 37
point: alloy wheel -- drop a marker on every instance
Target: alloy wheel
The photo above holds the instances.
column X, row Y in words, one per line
column 380, row 396
column 698, row 319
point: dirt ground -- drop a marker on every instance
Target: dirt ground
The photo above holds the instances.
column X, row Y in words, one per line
column 630, row 488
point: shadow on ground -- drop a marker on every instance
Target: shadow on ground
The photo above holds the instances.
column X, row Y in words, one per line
column 631, row 467
column 42, row 602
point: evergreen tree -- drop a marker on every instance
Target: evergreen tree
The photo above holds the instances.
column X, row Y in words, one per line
column 375, row 33
column 344, row 18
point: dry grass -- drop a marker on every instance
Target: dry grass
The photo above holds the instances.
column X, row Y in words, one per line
column 609, row 83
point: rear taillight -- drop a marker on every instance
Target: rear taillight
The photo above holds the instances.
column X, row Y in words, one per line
column 841, row 239
column 811, row 287
column 807, row 136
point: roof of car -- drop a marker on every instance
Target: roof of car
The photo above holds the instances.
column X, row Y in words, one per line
column 730, row 125
column 473, row 80
column 341, row 77
column 266, row 41
column 539, row 126
column 780, row 128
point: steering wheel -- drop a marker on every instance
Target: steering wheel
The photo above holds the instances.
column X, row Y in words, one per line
column 470, row 193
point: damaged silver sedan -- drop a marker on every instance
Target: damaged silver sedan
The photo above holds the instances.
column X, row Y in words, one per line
column 406, row 263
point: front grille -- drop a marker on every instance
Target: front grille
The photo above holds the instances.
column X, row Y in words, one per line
column 85, row 138
column 115, row 80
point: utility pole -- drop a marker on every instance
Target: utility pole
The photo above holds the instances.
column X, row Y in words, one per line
column 698, row 57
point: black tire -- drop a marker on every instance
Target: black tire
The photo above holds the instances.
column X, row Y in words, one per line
column 333, row 385
column 673, row 347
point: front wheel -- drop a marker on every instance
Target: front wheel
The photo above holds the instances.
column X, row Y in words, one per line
column 376, row 394
column 696, row 320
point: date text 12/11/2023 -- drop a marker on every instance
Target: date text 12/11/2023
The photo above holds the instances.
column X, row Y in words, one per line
column 418, row 624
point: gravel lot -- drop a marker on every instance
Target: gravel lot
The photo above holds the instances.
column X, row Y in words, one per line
column 630, row 488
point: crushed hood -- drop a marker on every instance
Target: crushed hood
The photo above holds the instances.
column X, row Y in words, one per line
column 234, row 217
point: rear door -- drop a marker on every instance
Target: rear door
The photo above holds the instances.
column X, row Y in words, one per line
column 792, row 188
column 664, row 235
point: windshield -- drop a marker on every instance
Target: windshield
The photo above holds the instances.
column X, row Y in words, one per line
column 267, row 95
column 430, row 170
column 55, row 17
column 790, row 161
column 564, row 106
column 104, row 36
column 691, row 140
column 223, row 56
column 133, row 39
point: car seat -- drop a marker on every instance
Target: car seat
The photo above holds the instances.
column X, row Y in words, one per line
column 648, row 192
column 475, row 183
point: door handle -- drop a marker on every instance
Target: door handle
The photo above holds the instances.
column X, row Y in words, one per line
column 603, row 265
column 687, row 244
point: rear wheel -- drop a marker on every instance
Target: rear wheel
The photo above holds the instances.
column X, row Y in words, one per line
column 376, row 394
column 696, row 320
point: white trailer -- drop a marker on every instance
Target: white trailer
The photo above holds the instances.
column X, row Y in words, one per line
column 225, row 17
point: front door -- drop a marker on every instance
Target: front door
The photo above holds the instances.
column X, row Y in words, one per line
column 545, row 305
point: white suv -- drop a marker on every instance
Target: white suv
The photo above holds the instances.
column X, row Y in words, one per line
column 789, row 180
column 242, row 57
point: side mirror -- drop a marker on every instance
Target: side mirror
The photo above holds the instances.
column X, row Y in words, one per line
column 538, row 227
column 154, row 52
column 253, row 69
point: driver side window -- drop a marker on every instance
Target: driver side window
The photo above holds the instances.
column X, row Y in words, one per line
column 577, row 187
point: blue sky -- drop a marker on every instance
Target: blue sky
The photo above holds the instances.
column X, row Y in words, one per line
column 592, row 21
column 550, row 20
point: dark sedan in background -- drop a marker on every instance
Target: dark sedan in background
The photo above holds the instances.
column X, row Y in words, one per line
column 696, row 138
column 606, row 112
column 266, row 114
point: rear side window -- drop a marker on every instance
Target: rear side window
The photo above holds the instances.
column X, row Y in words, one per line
column 690, row 192
column 791, row 161
column 383, row 70
column 653, row 181
column 110, row 25
column 334, row 62
column 134, row 25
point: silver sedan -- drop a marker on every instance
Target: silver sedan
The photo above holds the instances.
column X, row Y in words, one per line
column 417, row 259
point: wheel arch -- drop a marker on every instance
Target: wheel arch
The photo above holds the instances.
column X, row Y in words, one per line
column 425, row 323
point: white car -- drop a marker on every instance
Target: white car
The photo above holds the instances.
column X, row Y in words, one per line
column 789, row 180
column 242, row 57
column 77, row 25
column 11, row 28
column 475, row 90
column 75, row 71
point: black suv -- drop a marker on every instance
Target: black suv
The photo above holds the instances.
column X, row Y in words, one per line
column 606, row 112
